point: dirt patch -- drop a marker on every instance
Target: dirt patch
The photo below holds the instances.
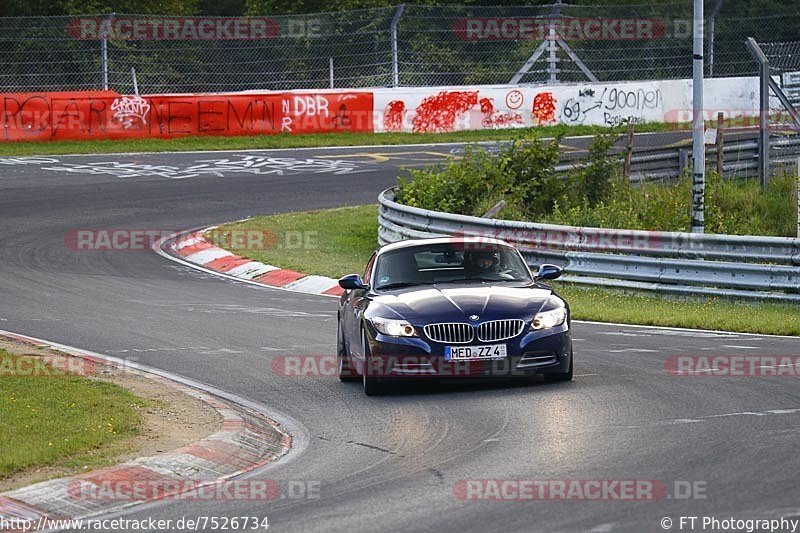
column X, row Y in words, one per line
column 171, row 420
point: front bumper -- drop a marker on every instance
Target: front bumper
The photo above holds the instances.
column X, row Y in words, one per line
column 533, row 352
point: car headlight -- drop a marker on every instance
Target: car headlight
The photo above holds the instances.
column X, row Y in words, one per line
column 394, row 328
column 549, row 319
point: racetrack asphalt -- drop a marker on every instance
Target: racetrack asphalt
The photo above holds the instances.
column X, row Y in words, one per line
column 393, row 462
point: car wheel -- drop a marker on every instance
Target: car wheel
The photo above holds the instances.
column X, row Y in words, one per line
column 345, row 369
column 562, row 376
column 372, row 385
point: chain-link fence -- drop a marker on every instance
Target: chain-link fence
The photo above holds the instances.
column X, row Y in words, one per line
column 784, row 61
column 410, row 45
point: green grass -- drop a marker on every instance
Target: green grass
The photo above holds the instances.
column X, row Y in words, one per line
column 346, row 237
column 702, row 313
column 733, row 207
column 60, row 419
column 292, row 141
column 335, row 241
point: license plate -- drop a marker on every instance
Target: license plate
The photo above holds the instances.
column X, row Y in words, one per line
column 473, row 353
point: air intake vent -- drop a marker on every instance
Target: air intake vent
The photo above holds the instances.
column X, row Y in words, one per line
column 450, row 332
column 498, row 330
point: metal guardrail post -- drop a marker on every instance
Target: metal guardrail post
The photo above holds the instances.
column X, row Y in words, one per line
column 683, row 160
column 629, row 150
column 395, row 62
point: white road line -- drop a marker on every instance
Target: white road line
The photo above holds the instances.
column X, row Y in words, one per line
column 656, row 329
column 623, row 333
column 741, row 347
column 769, row 412
column 347, row 147
column 640, row 350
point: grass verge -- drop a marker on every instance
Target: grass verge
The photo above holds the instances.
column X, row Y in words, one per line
column 339, row 241
column 50, row 416
column 294, row 141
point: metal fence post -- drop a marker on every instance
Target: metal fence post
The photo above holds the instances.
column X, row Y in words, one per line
column 711, row 20
column 104, row 49
column 330, row 67
column 135, row 83
column 698, row 126
column 763, row 123
column 629, row 149
column 395, row 65
column 720, row 145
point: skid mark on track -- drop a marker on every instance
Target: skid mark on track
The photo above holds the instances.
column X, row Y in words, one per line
column 436, row 473
column 373, row 447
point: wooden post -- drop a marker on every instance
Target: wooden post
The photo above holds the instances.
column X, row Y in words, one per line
column 720, row 144
column 629, row 150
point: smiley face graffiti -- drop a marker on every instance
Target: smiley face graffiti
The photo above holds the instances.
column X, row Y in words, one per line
column 514, row 99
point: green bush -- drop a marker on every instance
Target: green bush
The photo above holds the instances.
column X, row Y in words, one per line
column 596, row 195
column 647, row 206
column 520, row 172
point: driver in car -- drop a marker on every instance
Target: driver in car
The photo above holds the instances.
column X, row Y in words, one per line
column 481, row 263
column 484, row 264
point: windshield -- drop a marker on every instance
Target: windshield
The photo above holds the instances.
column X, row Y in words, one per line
column 449, row 263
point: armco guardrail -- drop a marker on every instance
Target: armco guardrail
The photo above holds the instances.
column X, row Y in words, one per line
column 671, row 262
column 740, row 158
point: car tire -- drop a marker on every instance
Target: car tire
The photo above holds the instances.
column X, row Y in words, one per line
column 344, row 368
column 372, row 385
column 561, row 376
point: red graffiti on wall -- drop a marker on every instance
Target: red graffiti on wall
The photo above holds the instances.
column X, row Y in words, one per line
column 393, row 115
column 487, row 106
column 81, row 115
column 544, row 109
column 440, row 111
column 502, row 120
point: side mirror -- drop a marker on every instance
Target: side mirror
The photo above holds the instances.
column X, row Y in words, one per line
column 548, row 271
column 352, row 281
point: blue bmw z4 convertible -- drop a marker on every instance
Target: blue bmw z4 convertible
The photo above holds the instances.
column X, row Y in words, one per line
column 451, row 307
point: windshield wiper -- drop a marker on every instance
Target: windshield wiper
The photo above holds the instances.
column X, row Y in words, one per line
column 400, row 285
column 482, row 280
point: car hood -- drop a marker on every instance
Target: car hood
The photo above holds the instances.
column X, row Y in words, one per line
column 456, row 303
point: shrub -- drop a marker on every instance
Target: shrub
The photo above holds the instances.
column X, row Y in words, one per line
column 522, row 173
